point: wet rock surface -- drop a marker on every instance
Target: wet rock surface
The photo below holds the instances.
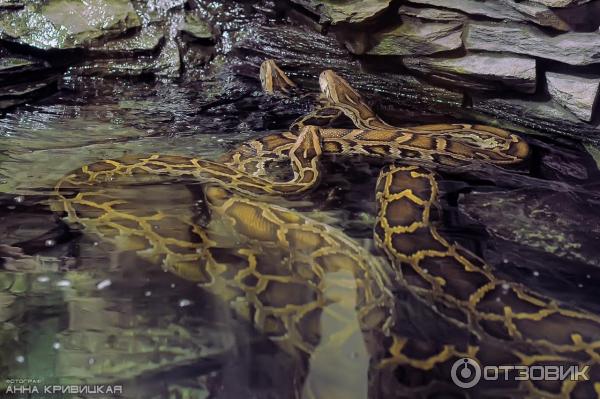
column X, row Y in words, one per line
column 568, row 48
column 479, row 71
column 538, row 14
column 489, row 9
column 24, row 79
column 354, row 11
column 535, row 116
column 196, row 28
column 146, row 41
column 11, row 4
column 576, row 93
column 22, row 93
column 542, row 220
column 431, row 14
column 416, row 37
column 507, row 10
column 560, row 3
column 17, row 68
column 67, row 24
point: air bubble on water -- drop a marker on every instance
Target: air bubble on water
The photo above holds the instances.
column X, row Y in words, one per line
column 580, row 285
column 103, row 284
column 56, row 345
column 588, row 276
column 505, row 286
column 96, row 243
column 184, row 302
column 148, row 293
column 173, row 285
column 49, row 243
column 504, row 260
column 11, row 207
column 425, row 271
column 536, row 273
column 19, row 198
column 63, row 283
column 20, row 359
column 43, row 279
column 219, row 140
column 91, row 361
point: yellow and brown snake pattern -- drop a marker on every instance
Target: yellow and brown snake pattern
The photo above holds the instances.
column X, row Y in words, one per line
column 271, row 264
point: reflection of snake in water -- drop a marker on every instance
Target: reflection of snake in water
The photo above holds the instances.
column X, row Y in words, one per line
column 271, row 263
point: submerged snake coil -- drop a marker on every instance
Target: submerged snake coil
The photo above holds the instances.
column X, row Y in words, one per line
column 272, row 264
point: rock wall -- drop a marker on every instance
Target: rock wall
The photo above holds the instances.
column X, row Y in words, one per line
column 531, row 65
column 40, row 41
column 534, row 63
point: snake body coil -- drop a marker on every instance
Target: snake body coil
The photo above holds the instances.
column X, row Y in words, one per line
column 272, row 264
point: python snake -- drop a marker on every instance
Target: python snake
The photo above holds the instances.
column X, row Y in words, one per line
column 271, row 264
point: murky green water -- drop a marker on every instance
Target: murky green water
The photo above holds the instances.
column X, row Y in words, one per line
column 79, row 311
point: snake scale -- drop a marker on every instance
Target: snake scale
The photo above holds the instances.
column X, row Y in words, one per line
column 273, row 264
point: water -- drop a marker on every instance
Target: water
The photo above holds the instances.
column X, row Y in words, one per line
column 80, row 311
column 76, row 309
column 61, row 320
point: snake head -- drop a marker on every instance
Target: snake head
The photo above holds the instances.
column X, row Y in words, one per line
column 273, row 79
column 337, row 90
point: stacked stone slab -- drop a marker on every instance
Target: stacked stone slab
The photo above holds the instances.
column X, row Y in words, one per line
column 543, row 55
column 24, row 79
column 108, row 37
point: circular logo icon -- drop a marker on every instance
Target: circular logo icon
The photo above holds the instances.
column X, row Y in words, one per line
column 465, row 372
